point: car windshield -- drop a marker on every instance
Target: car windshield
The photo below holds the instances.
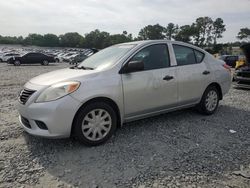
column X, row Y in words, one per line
column 222, row 57
column 106, row 57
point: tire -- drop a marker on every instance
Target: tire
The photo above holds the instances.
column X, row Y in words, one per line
column 17, row 63
column 1, row 60
column 57, row 60
column 87, row 126
column 209, row 101
column 45, row 63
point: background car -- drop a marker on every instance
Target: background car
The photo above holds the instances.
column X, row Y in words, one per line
column 230, row 60
column 5, row 57
column 82, row 56
column 242, row 73
column 31, row 58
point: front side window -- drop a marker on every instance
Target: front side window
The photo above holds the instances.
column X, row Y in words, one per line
column 153, row 57
column 187, row 56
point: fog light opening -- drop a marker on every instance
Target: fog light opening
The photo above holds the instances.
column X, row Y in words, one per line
column 41, row 125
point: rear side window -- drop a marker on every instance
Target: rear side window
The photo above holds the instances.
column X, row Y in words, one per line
column 153, row 57
column 187, row 56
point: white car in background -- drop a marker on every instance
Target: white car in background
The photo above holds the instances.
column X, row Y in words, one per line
column 6, row 56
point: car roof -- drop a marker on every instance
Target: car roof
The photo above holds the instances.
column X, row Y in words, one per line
column 146, row 42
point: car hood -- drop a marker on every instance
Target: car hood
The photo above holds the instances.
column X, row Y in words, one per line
column 244, row 68
column 59, row 76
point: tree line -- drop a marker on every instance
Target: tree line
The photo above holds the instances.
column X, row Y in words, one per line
column 203, row 32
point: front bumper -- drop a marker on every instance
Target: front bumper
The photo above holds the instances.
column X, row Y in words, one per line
column 57, row 115
column 242, row 79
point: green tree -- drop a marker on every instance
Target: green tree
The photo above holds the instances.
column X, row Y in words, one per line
column 244, row 34
column 203, row 30
column 217, row 29
column 185, row 33
column 120, row 38
column 71, row 40
column 171, row 30
column 97, row 39
column 152, row 32
column 50, row 40
column 34, row 39
column 11, row 40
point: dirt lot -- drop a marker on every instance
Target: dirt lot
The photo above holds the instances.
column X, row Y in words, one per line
column 179, row 149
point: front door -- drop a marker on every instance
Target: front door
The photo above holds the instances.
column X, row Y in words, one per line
column 152, row 89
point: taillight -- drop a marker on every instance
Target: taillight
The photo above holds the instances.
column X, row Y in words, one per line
column 227, row 67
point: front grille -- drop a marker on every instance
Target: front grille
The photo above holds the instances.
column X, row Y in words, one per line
column 25, row 122
column 244, row 82
column 245, row 74
column 24, row 95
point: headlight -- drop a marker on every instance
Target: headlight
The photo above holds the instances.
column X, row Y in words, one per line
column 57, row 91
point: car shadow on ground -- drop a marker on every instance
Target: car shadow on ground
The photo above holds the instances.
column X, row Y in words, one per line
column 35, row 65
column 181, row 142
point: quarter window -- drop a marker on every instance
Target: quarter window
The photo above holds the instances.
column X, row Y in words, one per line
column 199, row 56
column 153, row 57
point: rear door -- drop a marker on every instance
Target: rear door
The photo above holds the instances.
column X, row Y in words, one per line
column 192, row 73
column 38, row 58
column 152, row 89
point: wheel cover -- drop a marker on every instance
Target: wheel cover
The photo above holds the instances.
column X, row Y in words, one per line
column 211, row 100
column 17, row 62
column 96, row 124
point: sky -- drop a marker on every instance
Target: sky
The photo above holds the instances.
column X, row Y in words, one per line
column 21, row 17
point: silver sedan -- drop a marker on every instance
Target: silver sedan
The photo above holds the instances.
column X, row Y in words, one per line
column 122, row 83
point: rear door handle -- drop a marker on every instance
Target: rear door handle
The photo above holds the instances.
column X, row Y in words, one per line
column 167, row 78
column 206, row 72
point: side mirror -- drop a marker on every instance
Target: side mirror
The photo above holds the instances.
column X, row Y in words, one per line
column 132, row 66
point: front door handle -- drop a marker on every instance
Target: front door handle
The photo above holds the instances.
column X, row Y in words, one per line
column 167, row 78
column 206, row 72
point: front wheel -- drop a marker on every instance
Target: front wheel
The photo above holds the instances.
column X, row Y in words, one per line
column 95, row 123
column 45, row 62
column 17, row 63
column 210, row 101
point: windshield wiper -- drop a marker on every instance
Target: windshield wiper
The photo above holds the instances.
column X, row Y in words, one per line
column 85, row 68
column 82, row 67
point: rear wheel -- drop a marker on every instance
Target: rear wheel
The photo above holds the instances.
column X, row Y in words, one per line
column 210, row 101
column 17, row 63
column 95, row 123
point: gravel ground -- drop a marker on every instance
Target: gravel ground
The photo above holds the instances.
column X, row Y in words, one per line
column 179, row 149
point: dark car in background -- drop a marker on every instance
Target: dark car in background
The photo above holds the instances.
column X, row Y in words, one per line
column 82, row 56
column 230, row 60
column 31, row 58
column 242, row 73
